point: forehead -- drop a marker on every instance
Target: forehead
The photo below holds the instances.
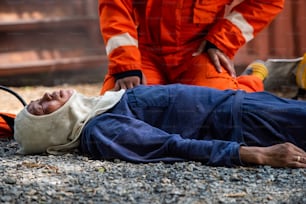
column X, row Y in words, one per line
column 32, row 104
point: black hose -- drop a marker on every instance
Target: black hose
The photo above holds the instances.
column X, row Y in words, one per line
column 14, row 93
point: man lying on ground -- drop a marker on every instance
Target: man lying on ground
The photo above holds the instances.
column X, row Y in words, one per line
column 168, row 123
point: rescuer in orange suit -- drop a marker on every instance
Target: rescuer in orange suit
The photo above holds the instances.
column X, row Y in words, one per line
column 175, row 41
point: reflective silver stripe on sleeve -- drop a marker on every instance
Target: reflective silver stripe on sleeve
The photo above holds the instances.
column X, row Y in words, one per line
column 124, row 39
column 238, row 20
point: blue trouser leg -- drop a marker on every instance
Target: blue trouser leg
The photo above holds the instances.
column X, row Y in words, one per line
column 268, row 120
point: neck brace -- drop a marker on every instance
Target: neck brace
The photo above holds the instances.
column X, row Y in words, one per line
column 59, row 132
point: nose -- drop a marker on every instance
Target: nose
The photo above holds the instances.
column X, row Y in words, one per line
column 47, row 96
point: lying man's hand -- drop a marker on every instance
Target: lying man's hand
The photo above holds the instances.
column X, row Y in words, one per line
column 279, row 155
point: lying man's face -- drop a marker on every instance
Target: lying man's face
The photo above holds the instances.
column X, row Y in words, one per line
column 49, row 102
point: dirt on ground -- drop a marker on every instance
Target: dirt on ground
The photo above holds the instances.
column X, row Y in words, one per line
column 10, row 104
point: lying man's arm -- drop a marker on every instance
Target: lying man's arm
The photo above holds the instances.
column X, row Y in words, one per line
column 111, row 136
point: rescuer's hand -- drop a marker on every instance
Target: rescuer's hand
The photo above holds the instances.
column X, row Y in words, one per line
column 217, row 57
column 128, row 82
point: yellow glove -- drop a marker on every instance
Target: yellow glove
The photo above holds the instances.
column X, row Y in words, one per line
column 301, row 73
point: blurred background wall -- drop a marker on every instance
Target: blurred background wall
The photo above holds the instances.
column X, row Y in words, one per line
column 51, row 42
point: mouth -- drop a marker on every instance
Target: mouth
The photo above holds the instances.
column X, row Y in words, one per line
column 62, row 93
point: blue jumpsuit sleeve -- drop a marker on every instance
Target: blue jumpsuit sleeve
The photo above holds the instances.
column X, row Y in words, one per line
column 111, row 136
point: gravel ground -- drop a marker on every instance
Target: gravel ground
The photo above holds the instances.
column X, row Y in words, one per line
column 76, row 179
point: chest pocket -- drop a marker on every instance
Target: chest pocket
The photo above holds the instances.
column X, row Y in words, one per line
column 207, row 11
column 148, row 97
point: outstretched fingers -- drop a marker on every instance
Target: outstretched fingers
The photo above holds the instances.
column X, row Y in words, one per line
column 299, row 157
column 286, row 155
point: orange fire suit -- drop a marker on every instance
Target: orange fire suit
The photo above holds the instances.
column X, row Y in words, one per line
column 158, row 38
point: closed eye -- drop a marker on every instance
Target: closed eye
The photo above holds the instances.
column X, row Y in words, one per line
column 36, row 108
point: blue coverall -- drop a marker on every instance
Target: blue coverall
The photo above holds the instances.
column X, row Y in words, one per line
column 181, row 122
